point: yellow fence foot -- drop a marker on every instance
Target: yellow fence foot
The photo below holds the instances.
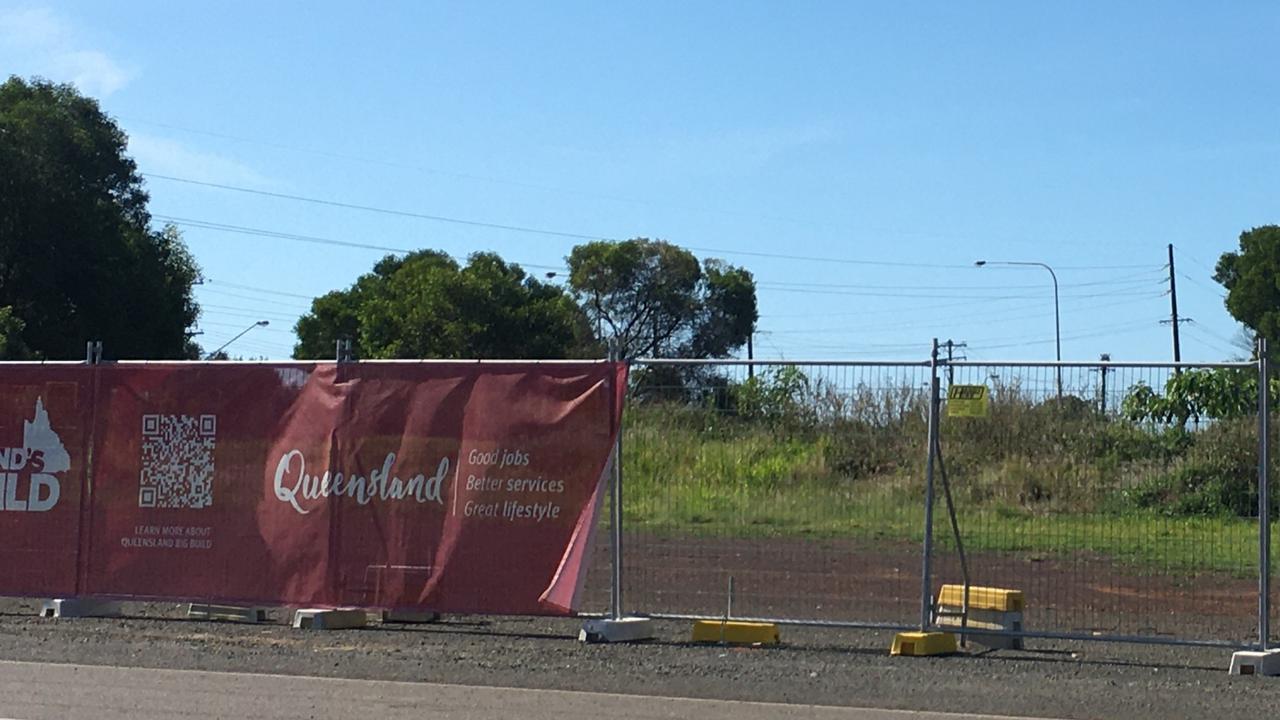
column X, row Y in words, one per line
column 736, row 633
column 921, row 644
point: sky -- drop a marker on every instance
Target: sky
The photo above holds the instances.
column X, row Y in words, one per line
column 857, row 158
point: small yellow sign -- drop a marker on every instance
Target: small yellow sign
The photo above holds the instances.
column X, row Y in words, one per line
column 967, row 401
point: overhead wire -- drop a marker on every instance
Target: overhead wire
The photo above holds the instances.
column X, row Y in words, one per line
column 534, row 186
column 577, row 235
column 259, row 232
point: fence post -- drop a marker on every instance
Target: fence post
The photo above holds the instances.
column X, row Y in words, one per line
column 617, row 626
column 926, row 575
column 1264, row 502
column 615, row 516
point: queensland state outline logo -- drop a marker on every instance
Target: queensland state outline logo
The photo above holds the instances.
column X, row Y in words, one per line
column 29, row 479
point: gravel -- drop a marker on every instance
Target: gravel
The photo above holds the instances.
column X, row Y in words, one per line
column 814, row 665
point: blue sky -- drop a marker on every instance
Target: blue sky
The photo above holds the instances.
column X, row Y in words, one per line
column 881, row 148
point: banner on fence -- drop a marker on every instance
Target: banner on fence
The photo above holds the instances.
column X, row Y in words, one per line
column 455, row 487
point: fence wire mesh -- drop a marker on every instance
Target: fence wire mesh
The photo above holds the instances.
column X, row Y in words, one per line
column 1116, row 511
column 775, row 490
column 796, row 492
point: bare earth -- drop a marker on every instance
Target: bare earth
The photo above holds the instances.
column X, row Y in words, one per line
column 854, row 581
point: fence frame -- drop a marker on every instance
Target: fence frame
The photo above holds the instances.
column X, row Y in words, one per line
column 927, row 606
column 934, row 364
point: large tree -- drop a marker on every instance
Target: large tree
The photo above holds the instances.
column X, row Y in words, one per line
column 654, row 298
column 424, row 305
column 79, row 259
column 1252, row 279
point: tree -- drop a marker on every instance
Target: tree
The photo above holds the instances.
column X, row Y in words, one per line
column 1250, row 277
column 1201, row 394
column 78, row 257
column 654, row 298
column 424, row 305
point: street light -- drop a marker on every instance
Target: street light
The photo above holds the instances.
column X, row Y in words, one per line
column 260, row 323
column 1057, row 322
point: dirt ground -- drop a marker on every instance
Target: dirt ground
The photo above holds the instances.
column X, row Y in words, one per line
column 845, row 580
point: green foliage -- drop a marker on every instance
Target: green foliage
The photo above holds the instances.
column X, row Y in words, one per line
column 1040, row 477
column 11, row 345
column 78, row 258
column 1216, row 475
column 424, row 305
column 1249, row 275
column 654, row 298
column 1050, row 456
column 781, row 395
column 1204, row 394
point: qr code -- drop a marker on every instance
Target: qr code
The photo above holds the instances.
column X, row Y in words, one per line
column 177, row 461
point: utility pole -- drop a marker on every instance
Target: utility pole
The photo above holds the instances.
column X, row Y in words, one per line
column 751, row 355
column 951, row 372
column 1102, row 371
column 1173, row 310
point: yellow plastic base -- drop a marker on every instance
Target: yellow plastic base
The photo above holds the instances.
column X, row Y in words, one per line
column 921, row 644
column 983, row 598
column 736, row 633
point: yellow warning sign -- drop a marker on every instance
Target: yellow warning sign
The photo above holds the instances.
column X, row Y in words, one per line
column 967, row 401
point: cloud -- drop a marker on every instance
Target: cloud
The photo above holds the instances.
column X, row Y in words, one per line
column 165, row 156
column 36, row 41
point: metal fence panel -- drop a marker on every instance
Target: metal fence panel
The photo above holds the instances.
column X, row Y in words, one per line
column 1115, row 522
column 775, row 490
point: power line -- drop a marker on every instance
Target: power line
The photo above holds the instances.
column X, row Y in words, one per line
column 563, row 234
column 1220, row 292
column 1214, row 342
column 1100, row 333
column 782, row 287
column 274, row 313
column 259, row 232
column 216, row 323
column 211, row 281
column 952, row 320
column 1201, row 328
column 547, row 188
column 1123, row 284
column 383, row 211
column 265, row 301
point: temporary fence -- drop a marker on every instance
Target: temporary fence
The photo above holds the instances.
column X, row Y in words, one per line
column 805, row 492
column 1118, row 520
column 1126, row 501
column 448, row 486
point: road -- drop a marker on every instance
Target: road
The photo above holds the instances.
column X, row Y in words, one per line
column 36, row 691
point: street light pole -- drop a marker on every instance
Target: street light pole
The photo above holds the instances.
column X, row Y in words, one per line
column 260, row 323
column 1057, row 318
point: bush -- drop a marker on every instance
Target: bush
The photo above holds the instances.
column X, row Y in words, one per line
column 784, row 428
column 1216, row 476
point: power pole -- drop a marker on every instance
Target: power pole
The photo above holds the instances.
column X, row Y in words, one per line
column 751, row 355
column 951, row 372
column 1102, row 370
column 1174, row 320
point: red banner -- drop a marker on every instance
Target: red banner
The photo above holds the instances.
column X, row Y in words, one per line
column 453, row 487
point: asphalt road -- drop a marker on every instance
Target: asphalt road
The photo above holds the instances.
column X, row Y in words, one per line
column 35, row 691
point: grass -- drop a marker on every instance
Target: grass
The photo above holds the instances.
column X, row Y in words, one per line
column 698, row 473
